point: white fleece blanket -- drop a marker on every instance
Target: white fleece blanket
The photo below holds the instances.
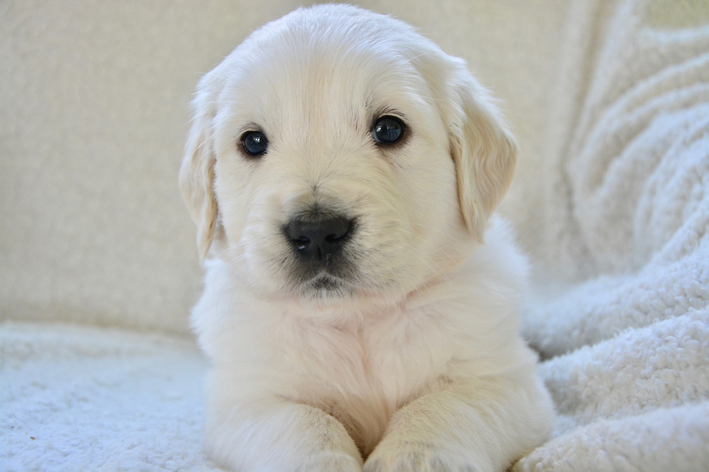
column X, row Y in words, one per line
column 628, row 213
column 624, row 212
column 80, row 399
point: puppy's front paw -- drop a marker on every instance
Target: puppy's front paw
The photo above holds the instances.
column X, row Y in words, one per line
column 421, row 458
column 331, row 462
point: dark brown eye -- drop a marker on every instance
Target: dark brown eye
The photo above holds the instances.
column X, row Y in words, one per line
column 388, row 130
column 255, row 143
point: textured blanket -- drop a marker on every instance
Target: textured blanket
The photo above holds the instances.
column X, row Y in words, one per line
column 80, row 399
column 626, row 215
column 620, row 239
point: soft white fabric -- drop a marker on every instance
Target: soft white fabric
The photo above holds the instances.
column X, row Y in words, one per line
column 614, row 212
column 88, row 399
column 626, row 215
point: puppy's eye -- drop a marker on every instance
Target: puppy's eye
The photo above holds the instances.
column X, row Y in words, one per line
column 388, row 130
column 254, row 143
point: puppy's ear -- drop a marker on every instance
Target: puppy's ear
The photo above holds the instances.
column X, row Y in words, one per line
column 197, row 172
column 483, row 150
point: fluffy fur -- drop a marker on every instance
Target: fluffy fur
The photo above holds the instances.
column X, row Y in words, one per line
column 410, row 360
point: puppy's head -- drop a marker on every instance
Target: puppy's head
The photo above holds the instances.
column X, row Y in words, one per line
column 338, row 154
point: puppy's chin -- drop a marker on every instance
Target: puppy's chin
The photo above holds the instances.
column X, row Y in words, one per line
column 326, row 290
column 326, row 287
column 325, row 283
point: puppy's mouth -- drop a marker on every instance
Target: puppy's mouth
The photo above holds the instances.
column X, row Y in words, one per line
column 326, row 282
column 325, row 285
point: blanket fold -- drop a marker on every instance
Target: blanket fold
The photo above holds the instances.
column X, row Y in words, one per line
column 627, row 344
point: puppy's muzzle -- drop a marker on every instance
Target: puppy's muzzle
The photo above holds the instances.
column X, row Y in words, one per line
column 318, row 238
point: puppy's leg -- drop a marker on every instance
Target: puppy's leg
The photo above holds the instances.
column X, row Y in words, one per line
column 472, row 427
column 279, row 436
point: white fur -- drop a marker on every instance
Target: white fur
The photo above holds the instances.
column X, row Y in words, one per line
column 416, row 364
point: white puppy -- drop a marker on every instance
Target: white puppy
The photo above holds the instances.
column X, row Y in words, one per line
column 342, row 171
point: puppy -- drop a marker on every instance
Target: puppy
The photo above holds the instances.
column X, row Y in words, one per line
column 360, row 300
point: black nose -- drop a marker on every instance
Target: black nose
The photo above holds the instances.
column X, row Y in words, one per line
column 319, row 236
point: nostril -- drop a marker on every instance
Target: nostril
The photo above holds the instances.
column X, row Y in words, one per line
column 301, row 242
column 339, row 229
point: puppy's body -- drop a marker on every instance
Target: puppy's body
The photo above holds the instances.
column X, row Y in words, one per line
column 396, row 343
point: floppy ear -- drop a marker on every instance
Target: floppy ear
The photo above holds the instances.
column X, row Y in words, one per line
column 197, row 171
column 483, row 150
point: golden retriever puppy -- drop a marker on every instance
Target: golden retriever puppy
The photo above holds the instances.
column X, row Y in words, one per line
column 360, row 302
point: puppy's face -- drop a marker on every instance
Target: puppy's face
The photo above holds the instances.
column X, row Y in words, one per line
column 342, row 156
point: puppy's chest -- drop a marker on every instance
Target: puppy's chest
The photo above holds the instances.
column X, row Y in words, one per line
column 360, row 376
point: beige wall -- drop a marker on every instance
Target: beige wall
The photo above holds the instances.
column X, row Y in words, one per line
column 93, row 108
